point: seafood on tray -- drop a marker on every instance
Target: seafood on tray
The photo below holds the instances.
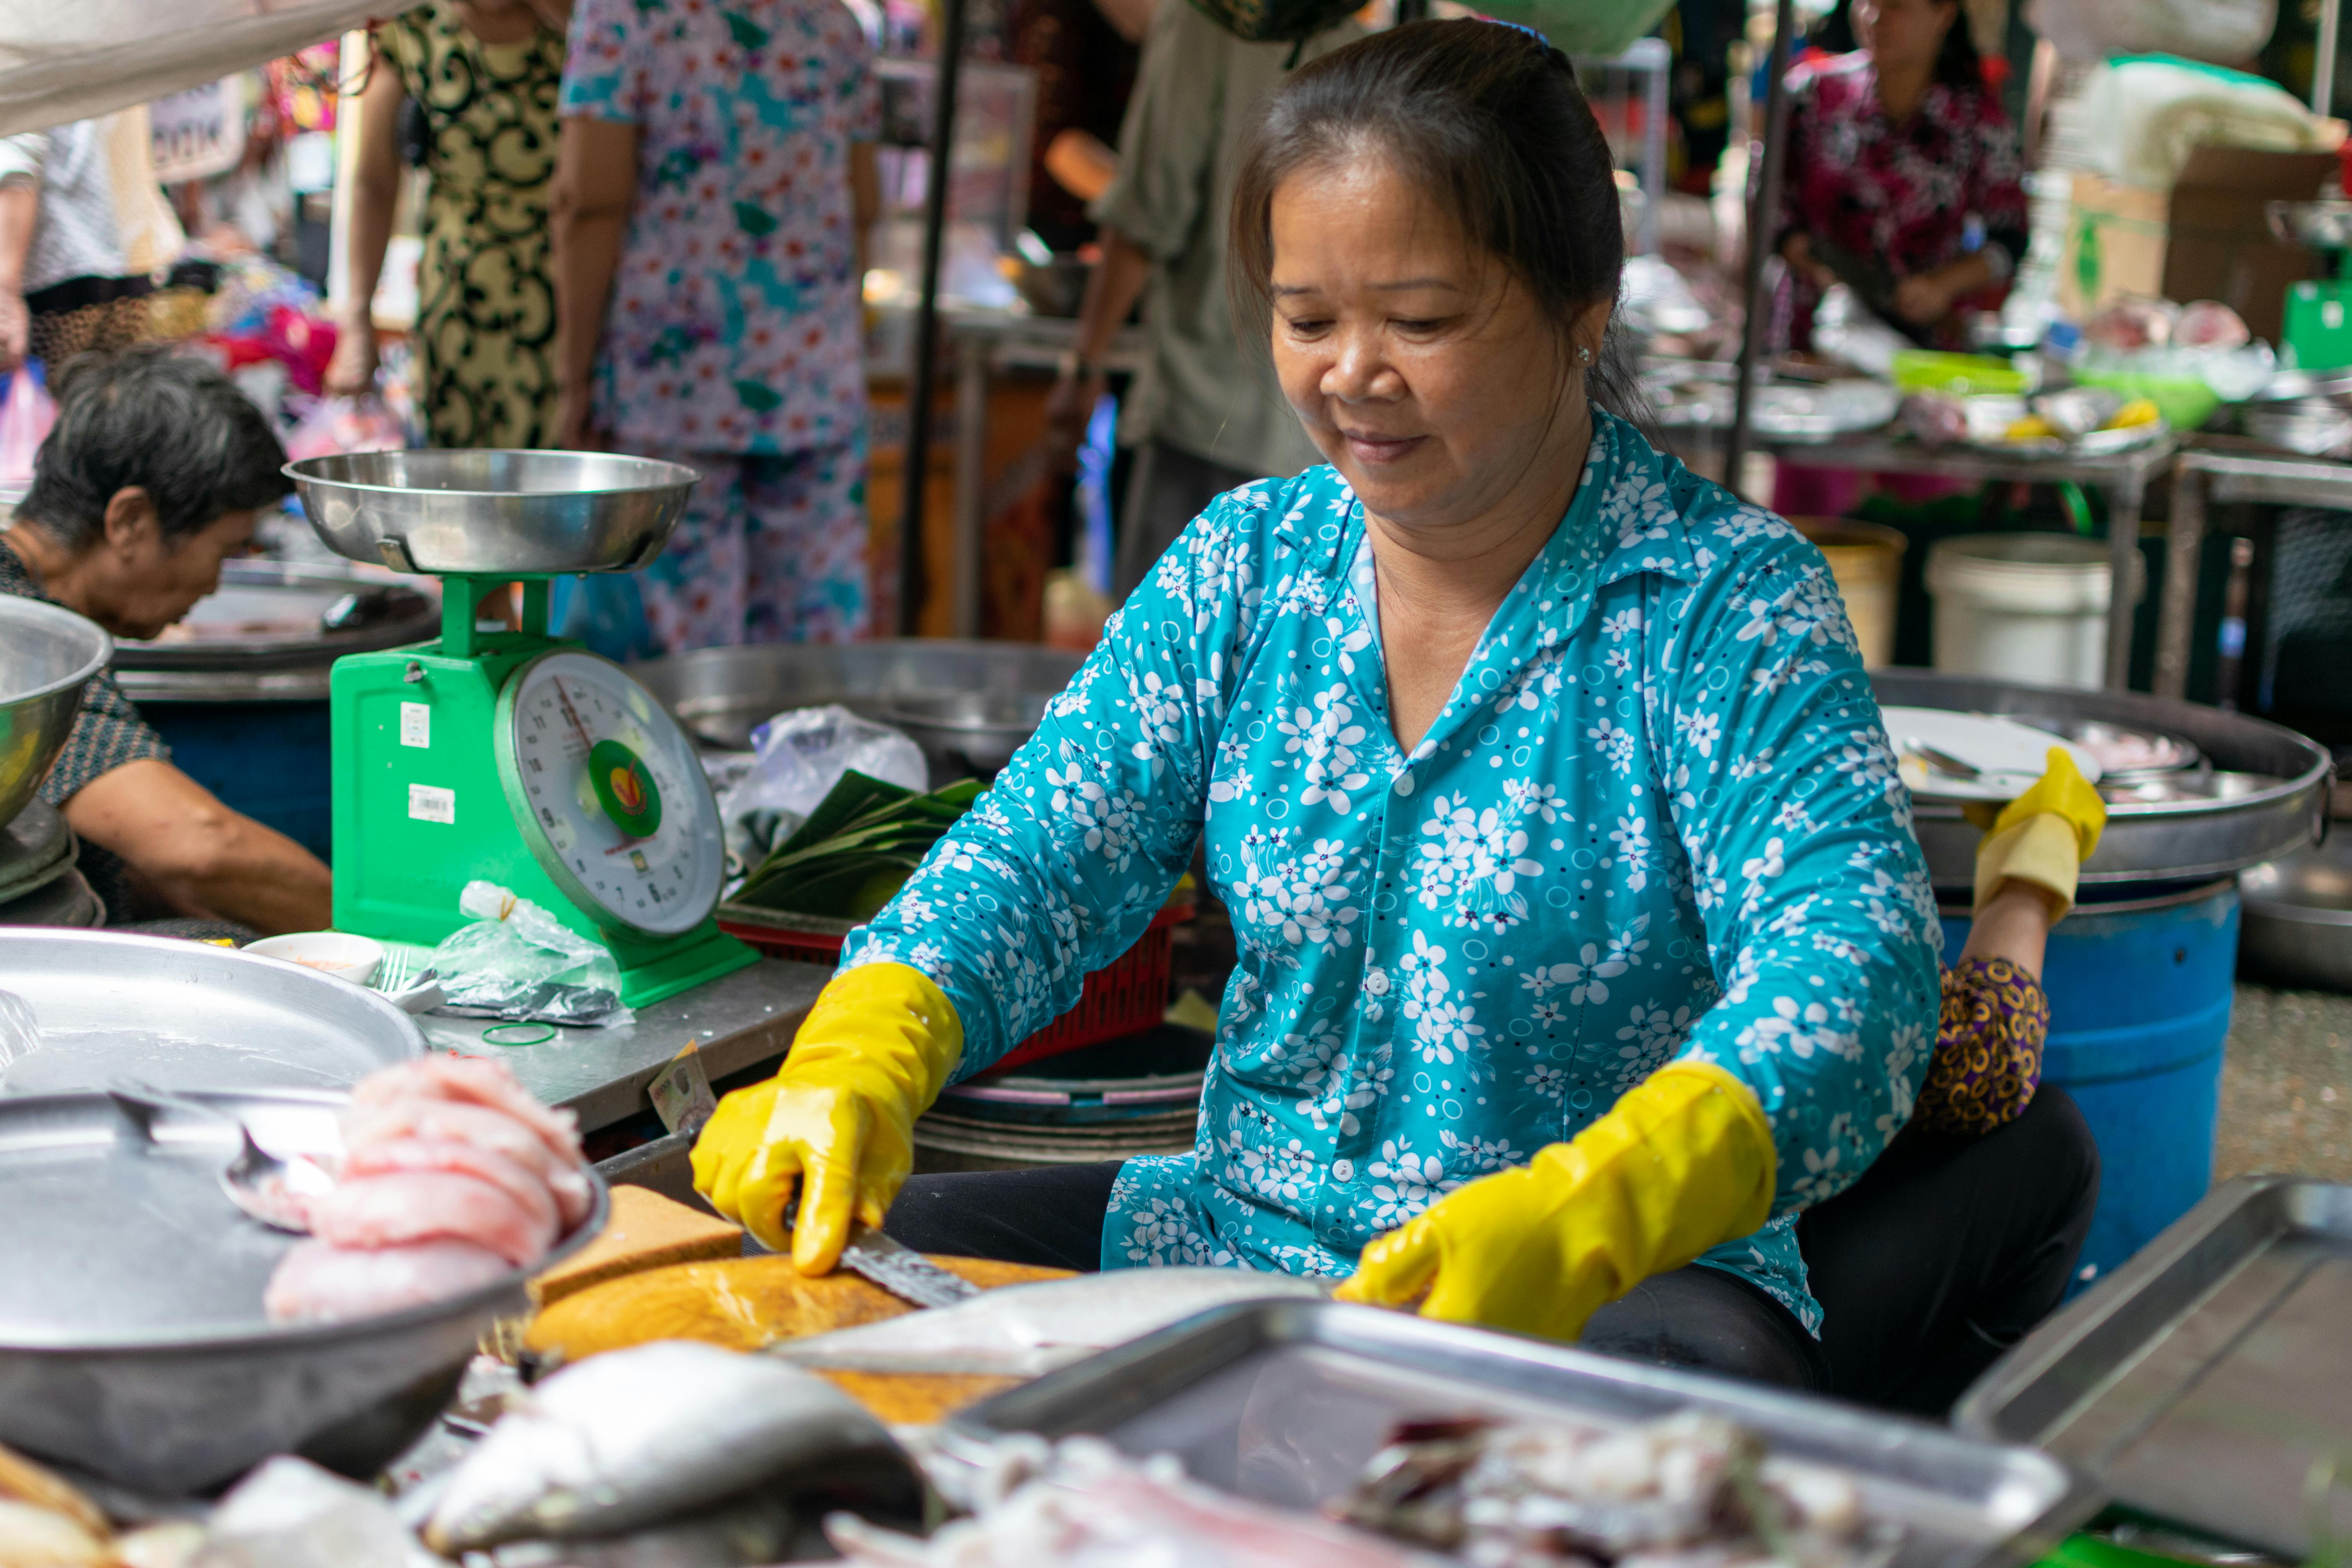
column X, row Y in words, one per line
column 451, row 1175
column 1691, row 1491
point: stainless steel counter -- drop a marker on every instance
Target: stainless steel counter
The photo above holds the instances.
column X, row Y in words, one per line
column 738, row 1021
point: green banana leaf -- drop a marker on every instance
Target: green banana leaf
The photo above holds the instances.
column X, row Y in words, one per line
column 856, row 848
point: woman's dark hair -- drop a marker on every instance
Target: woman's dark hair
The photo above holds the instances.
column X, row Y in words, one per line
column 1487, row 122
column 1957, row 64
column 174, row 427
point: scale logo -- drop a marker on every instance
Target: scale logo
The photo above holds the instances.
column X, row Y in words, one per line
column 624, row 789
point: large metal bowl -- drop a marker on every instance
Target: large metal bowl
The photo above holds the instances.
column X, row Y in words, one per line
column 138, row 1352
column 270, row 632
column 182, row 1015
column 2267, row 797
column 47, row 654
column 722, row 694
column 493, row 510
column 967, row 734
column 2295, row 924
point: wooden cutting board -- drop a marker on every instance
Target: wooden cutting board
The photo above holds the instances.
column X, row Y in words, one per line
column 748, row 1303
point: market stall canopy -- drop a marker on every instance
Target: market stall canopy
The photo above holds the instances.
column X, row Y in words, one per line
column 63, row 61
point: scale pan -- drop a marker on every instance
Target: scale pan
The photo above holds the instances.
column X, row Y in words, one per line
column 491, row 512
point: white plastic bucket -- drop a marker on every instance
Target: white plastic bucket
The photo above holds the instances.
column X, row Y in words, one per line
column 2031, row 607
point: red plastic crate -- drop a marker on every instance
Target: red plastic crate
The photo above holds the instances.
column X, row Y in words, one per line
column 1126, row 998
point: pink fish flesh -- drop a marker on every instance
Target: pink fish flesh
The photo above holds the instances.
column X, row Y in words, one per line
column 470, row 1080
column 399, row 1208
column 443, row 1121
column 317, row 1282
column 402, row 1156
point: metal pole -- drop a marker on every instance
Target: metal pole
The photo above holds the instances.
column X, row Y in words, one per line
column 2323, row 69
column 924, row 382
column 1760, row 215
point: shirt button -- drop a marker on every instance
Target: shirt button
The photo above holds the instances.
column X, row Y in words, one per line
column 1343, row 1170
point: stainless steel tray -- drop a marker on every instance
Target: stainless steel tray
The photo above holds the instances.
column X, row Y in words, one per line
column 2209, row 1381
column 2267, row 796
column 1285, row 1401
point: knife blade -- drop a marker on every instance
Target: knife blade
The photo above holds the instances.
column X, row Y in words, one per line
column 903, row 1271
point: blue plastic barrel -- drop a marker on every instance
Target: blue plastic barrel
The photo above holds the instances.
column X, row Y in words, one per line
column 2139, row 1009
column 267, row 760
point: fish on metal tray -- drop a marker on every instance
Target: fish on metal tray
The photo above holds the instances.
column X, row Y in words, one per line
column 1026, row 1330
column 640, row 1437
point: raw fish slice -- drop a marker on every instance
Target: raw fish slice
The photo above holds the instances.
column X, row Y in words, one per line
column 434, row 1121
column 403, row 1156
column 468, row 1081
column 426, row 1205
column 316, row 1282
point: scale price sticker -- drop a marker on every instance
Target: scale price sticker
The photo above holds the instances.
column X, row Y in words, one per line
column 431, row 803
column 681, row 1093
column 415, row 724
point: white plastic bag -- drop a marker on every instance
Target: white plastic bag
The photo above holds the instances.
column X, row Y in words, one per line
column 26, row 414
column 796, row 759
column 518, row 961
column 2222, row 32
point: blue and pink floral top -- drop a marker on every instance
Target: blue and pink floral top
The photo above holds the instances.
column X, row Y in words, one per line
column 737, row 321
column 1658, row 818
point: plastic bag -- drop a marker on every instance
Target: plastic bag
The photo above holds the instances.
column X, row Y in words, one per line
column 518, row 961
column 796, row 759
column 27, row 412
column 340, row 425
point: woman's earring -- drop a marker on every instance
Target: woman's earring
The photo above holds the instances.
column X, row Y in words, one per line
column 1583, row 354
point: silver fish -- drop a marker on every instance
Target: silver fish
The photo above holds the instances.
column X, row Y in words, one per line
column 1024, row 1331
column 642, row 1437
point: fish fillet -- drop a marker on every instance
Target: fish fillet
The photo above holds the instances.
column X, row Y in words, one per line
column 402, row 1156
column 429, row 1205
column 317, row 1282
column 1026, row 1330
column 470, row 1080
column 439, row 1120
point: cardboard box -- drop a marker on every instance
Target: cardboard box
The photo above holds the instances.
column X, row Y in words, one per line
column 2206, row 238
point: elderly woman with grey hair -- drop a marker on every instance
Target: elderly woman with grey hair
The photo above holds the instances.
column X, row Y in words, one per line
column 155, row 473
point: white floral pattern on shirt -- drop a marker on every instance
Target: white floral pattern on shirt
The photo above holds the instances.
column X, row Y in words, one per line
column 1658, row 820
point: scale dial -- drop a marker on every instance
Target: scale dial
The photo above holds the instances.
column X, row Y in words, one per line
column 609, row 794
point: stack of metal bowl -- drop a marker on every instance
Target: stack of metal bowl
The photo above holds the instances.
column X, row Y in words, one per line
column 47, row 656
column 2304, row 412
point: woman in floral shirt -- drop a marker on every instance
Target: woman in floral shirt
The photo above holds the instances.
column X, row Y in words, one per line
column 1583, row 932
column 712, row 192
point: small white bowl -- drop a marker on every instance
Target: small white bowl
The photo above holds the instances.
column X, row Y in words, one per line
column 339, row 953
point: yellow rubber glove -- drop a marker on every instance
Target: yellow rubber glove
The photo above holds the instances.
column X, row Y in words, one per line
column 838, row 1118
column 2043, row 835
column 1681, row 1163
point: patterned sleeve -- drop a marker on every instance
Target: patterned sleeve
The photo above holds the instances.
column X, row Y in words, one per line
column 107, row 734
column 1057, row 869
column 601, row 80
column 22, row 157
column 1815, row 899
column 861, row 90
column 1988, row 1061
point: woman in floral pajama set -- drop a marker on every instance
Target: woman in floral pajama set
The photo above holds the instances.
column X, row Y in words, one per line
column 714, row 185
column 1584, row 940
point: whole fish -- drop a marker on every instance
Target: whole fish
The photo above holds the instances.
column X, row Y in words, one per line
column 645, row 1435
column 1024, row 1331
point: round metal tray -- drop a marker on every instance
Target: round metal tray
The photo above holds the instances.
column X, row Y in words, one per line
column 132, row 1339
column 271, row 632
column 182, row 1015
column 493, row 510
column 35, row 846
column 67, row 901
column 2267, row 798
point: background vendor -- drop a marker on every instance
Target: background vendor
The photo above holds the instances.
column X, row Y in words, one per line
column 153, row 476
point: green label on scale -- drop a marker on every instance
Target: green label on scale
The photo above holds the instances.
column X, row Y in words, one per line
column 624, row 789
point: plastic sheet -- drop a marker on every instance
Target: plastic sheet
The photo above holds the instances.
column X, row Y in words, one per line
column 518, row 961
column 796, row 759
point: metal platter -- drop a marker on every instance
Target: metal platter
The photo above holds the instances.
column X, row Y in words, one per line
column 2265, row 796
column 1782, row 411
column 1285, row 1401
column 132, row 1341
column 489, row 510
column 2296, row 916
column 2209, row 1381
column 722, row 694
column 182, row 1015
column 269, row 633
column 2126, row 754
column 35, row 846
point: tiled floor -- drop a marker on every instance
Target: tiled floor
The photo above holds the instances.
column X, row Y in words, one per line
column 2287, row 1086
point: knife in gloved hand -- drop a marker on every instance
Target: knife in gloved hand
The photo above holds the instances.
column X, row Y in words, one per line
column 903, row 1271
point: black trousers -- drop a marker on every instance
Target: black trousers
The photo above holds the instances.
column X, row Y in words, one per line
column 1943, row 1255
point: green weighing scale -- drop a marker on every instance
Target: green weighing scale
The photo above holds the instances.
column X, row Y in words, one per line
column 2315, row 329
column 510, row 756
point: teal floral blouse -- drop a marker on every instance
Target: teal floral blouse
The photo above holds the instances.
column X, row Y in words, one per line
column 1658, row 820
